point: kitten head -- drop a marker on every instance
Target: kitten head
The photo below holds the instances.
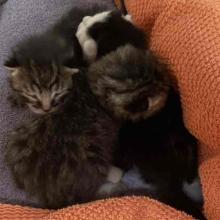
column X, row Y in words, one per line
column 129, row 83
column 42, row 87
column 40, row 72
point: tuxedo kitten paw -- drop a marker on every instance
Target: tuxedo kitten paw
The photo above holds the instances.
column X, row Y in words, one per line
column 115, row 175
column 88, row 44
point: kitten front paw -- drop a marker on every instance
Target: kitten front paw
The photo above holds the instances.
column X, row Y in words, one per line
column 128, row 18
column 115, row 174
column 16, row 101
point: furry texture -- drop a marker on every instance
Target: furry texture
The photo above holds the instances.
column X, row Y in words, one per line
column 136, row 88
column 39, row 65
column 105, row 32
column 130, row 83
column 63, row 158
column 42, row 87
column 165, row 153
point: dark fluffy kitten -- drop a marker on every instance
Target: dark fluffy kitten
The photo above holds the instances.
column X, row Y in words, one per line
column 133, row 86
column 129, row 83
column 63, row 158
column 41, row 67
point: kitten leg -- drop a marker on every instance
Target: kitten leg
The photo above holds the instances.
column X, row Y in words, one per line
column 112, row 184
column 194, row 191
column 115, row 174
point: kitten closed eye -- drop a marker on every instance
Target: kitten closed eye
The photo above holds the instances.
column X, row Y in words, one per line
column 43, row 88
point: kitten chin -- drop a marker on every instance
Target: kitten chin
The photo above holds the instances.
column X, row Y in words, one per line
column 130, row 83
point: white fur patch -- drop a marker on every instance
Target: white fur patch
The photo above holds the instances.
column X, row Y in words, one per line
column 106, row 188
column 90, row 49
column 193, row 190
column 88, row 45
column 128, row 18
column 115, row 175
column 133, row 180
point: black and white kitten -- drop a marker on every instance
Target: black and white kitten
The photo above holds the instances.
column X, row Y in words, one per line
column 106, row 31
column 135, row 88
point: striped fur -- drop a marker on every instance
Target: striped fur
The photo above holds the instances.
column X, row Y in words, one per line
column 42, row 88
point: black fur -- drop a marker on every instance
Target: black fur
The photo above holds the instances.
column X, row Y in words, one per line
column 156, row 140
column 56, row 44
column 115, row 32
column 165, row 153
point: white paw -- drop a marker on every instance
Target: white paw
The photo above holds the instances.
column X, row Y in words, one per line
column 128, row 18
column 88, row 44
column 86, row 19
column 90, row 50
column 115, row 174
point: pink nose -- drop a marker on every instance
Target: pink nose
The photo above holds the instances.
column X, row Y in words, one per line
column 46, row 107
column 46, row 110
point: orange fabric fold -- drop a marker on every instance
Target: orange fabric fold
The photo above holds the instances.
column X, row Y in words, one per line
column 128, row 208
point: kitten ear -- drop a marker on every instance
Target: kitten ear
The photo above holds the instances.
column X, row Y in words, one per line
column 12, row 65
column 71, row 71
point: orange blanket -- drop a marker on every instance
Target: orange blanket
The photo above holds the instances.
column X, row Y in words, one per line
column 186, row 33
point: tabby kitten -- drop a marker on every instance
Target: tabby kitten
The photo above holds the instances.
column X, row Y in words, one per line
column 135, row 88
column 65, row 157
column 41, row 67
column 43, row 88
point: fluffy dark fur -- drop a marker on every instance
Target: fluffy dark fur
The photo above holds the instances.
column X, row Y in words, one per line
column 115, row 32
column 129, row 83
column 165, row 153
column 64, row 158
column 51, row 55
column 154, row 137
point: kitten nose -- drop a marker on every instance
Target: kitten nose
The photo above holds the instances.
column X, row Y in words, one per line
column 46, row 110
column 46, row 102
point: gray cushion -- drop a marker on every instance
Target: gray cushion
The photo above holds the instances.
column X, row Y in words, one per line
column 18, row 19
